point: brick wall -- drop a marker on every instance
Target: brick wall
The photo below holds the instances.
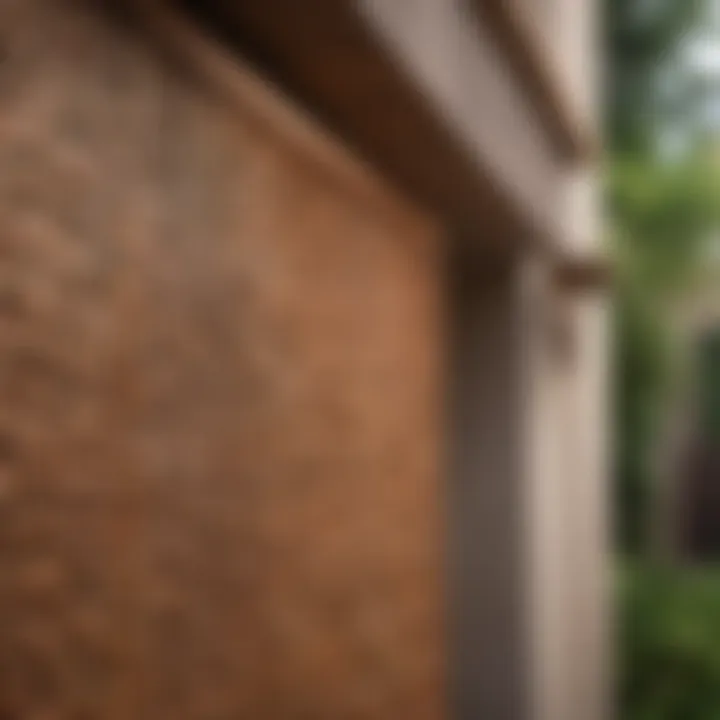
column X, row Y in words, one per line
column 219, row 402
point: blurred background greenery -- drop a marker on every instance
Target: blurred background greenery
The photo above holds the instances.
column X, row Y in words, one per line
column 663, row 221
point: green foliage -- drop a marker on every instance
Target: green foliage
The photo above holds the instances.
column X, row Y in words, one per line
column 641, row 42
column 640, row 368
column 669, row 623
column 660, row 215
column 663, row 214
column 709, row 379
column 662, row 218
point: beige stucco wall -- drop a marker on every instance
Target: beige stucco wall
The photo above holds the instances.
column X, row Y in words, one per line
column 489, row 661
column 566, row 506
column 529, row 520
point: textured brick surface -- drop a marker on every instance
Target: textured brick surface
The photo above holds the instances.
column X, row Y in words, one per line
column 219, row 412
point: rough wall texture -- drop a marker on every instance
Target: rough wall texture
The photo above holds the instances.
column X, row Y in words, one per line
column 219, row 412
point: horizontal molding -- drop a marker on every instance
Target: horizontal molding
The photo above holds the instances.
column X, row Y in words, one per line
column 572, row 137
column 326, row 57
column 321, row 60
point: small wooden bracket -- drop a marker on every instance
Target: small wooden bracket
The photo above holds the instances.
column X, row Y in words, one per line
column 582, row 273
